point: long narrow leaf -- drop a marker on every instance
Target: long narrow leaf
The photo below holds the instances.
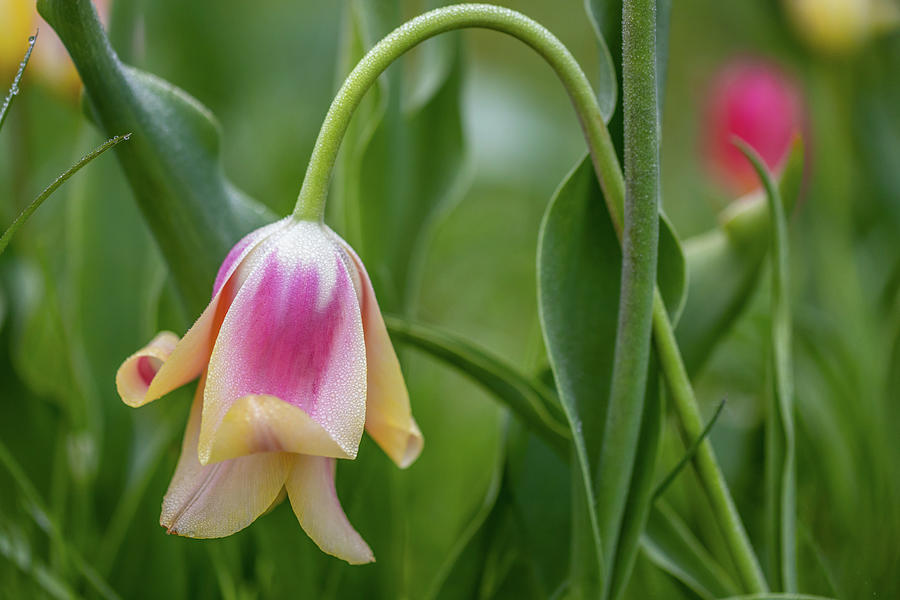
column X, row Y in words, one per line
column 607, row 86
column 781, row 488
column 689, row 453
column 29, row 210
column 725, row 265
column 670, row 545
column 641, row 488
column 527, row 398
column 579, row 276
column 14, row 549
column 38, row 511
column 14, row 88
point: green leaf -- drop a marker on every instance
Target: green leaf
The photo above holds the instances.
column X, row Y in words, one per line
column 641, row 494
column 781, row 476
column 365, row 22
column 173, row 162
column 466, row 563
column 14, row 547
column 38, row 339
column 579, row 258
column 42, row 517
column 532, row 508
column 528, row 399
column 607, row 86
column 578, row 291
column 409, row 170
column 724, row 266
column 670, row 545
column 578, row 288
column 14, row 88
column 606, row 17
column 672, row 270
column 539, row 485
column 360, row 23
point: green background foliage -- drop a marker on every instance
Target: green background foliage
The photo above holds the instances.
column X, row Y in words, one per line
column 443, row 183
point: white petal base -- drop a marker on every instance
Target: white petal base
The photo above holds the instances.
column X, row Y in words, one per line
column 217, row 500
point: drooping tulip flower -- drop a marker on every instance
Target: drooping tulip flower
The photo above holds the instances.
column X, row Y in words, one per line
column 294, row 362
column 755, row 101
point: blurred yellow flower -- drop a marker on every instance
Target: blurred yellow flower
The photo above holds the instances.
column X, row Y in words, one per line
column 50, row 63
column 838, row 27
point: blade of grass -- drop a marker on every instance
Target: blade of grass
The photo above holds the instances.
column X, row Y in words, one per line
column 148, row 455
column 671, row 545
column 689, row 454
column 14, row 89
column 41, row 516
column 15, row 550
column 781, row 477
column 29, row 210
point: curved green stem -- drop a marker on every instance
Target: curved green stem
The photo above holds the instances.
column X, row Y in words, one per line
column 313, row 194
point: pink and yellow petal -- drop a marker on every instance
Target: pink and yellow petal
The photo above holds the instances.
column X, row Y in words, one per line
column 310, row 487
column 187, row 359
column 218, row 500
column 294, row 333
column 267, row 424
column 243, row 248
column 388, row 415
column 134, row 377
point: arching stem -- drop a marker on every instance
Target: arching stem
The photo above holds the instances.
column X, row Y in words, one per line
column 311, row 202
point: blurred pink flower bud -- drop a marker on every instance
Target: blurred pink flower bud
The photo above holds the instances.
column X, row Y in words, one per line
column 757, row 102
column 294, row 362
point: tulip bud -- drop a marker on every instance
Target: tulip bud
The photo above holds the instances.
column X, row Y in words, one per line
column 755, row 101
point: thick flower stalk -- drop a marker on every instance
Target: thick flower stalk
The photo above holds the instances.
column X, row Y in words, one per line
column 294, row 362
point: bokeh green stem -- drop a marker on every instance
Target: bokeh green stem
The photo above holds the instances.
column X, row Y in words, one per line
column 314, row 191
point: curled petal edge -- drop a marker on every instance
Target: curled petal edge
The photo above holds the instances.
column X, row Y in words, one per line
column 134, row 377
column 189, row 356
